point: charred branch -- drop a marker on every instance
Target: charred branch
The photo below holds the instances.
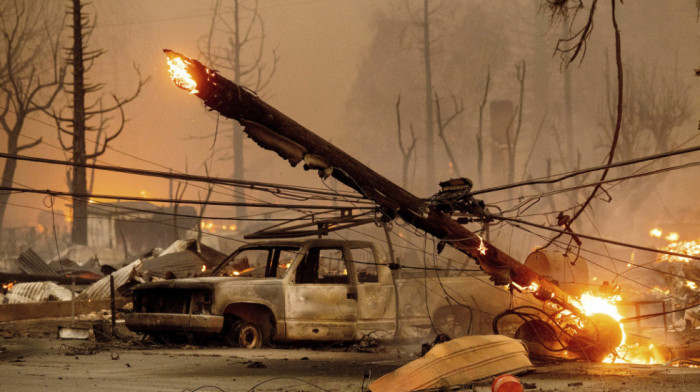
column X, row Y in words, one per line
column 479, row 134
column 567, row 11
column 444, row 123
column 406, row 151
column 618, row 125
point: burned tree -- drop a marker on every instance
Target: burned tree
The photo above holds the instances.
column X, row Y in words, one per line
column 657, row 103
column 88, row 117
column 31, row 75
column 237, row 43
column 513, row 142
column 429, row 132
column 407, row 152
column 444, row 123
column 480, row 130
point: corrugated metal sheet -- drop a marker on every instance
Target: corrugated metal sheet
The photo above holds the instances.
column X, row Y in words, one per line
column 177, row 246
column 183, row 264
column 17, row 299
column 37, row 292
column 100, row 289
column 209, row 256
column 81, row 254
column 183, row 258
column 30, row 263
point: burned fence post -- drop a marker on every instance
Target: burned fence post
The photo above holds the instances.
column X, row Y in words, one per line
column 112, row 303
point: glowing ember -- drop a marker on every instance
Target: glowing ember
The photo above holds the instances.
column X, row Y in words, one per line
column 660, row 291
column 8, row 286
column 685, row 247
column 691, row 285
column 482, row 248
column 179, row 74
column 672, row 237
column 532, row 288
column 204, row 268
column 656, row 233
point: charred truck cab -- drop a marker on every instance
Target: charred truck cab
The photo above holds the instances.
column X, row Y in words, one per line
column 329, row 290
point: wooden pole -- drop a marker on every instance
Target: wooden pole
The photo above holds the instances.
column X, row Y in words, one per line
column 274, row 131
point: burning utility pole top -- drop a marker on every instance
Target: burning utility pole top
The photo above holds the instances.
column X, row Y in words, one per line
column 274, row 131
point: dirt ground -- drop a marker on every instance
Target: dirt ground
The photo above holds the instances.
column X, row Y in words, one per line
column 32, row 358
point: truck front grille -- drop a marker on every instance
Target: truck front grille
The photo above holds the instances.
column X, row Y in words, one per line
column 167, row 301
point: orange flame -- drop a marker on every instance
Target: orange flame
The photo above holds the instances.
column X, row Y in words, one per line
column 179, row 74
column 482, row 247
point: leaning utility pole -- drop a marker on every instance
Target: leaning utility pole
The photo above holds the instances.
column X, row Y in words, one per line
column 274, row 131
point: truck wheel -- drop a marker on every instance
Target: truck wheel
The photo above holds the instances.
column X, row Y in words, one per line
column 452, row 321
column 247, row 334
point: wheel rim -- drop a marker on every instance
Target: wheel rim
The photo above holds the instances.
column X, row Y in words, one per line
column 451, row 324
column 249, row 336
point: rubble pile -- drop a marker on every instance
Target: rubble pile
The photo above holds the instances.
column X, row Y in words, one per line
column 83, row 275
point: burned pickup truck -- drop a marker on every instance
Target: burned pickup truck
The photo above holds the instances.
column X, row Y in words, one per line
column 316, row 290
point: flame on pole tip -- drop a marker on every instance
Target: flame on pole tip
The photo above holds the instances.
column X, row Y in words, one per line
column 482, row 247
column 178, row 71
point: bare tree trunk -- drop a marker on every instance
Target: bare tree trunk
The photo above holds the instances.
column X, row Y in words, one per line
column 513, row 146
column 480, row 132
column 406, row 151
column 442, row 125
column 238, row 162
column 78, row 180
column 8, row 174
column 568, row 115
column 429, row 140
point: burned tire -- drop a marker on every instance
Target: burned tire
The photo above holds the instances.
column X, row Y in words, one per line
column 452, row 321
column 246, row 334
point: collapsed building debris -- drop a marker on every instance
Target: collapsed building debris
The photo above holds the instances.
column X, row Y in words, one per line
column 30, row 263
column 182, row 259
column 36, row 292
column 123, row 277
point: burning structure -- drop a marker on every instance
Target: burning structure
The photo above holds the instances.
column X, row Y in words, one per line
column 564, row 321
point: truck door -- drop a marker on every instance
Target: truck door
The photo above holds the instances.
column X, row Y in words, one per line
column 321, row 301
column 376, row 316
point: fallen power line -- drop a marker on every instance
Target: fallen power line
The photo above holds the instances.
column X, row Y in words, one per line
column 183, row 201
column 255, row 185
column 599, row 239
column 558, row 178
